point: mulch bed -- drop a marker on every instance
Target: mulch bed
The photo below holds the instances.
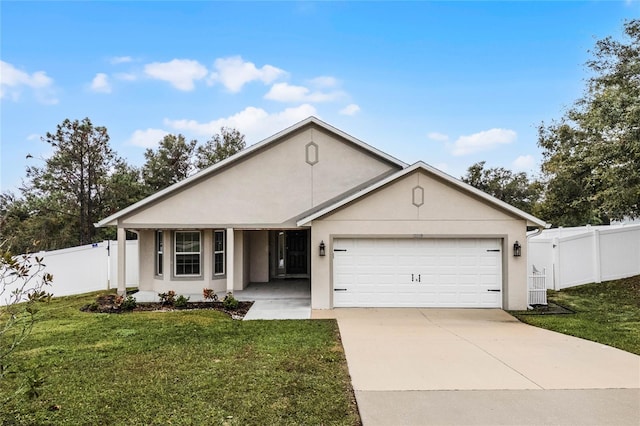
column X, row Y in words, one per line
column 108, row 303
column 550, row 309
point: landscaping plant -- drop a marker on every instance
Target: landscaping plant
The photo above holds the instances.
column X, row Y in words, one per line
column 181, row 302
column 209, row 294
column 168, row 298
column 22, row 291
column 230, row 302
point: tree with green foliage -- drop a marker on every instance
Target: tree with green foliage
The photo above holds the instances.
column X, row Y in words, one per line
column 125, row 187
column 32, row 223
column 171, row 162
column 74, row 180
column 591, row 156
column 512, row 188
column 176, row 159
column 222, row 145
column 80, row 183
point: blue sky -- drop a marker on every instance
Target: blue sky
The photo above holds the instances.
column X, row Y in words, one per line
column 449, row 83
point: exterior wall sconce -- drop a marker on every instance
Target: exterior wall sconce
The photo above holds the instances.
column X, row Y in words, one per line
column 322, row 248
column 517, row 249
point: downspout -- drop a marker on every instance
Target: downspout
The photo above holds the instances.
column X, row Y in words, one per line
column 538, row 231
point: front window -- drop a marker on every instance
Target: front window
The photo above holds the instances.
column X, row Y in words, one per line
column 187, row 253
column 218, row 252
column 159, row 252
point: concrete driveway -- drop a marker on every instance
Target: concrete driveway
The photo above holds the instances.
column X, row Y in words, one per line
column 468, row 366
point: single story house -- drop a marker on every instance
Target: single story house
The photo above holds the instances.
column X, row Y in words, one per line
column 313, row 202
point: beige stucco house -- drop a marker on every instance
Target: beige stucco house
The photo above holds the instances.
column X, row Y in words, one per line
column 313, row 202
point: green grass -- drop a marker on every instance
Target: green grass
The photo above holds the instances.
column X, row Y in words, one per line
column 607, row 313
column 182, row 367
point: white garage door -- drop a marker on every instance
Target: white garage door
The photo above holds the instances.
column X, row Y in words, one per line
column 464, row 273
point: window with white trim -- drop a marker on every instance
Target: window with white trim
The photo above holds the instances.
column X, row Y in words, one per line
column 159, row 252
column 187, row 253
column 219, row 249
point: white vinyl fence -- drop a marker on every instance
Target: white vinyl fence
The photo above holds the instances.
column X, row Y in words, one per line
column 86, row 268
column 581, row 255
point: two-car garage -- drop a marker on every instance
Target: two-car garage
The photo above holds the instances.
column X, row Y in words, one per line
column 419, row 238
column 417, row 272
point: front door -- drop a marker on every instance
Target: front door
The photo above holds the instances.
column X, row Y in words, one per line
column 296, row 252
column 290, row 254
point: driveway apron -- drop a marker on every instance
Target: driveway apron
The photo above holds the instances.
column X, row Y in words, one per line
column 482, row 366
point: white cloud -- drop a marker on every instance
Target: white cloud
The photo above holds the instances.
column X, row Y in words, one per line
column 13, row 80
column 234, row 73
column 440, row 137
column 33, row 137
column 285, row 92
column 351, row 109
column 524, row 162
column 324, row 81
column 120, row 59
column 254, row 123
column 100, row 83
column 181, row 73
column 483, row 141
column 147, row 138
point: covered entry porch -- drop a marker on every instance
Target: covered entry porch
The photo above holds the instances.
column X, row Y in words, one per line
column 188, row 260
column 276, row 299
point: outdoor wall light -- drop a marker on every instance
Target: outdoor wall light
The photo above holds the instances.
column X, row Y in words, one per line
column 322, row 248
column 517, row 249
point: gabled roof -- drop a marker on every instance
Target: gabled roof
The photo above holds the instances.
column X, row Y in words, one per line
column 112, row 220
column 531, row 220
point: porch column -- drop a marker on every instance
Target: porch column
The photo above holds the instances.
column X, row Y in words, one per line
column 122, row 261
column 230, row 260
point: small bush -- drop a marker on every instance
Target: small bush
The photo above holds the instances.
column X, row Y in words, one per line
column 181, row 302
column 209, row 294
column 230, row 302
column 169, row 297
column 129, row 304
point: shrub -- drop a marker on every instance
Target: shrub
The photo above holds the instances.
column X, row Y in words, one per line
column 209, row 294
column 23, row 283
column 230, row 302
column 181, row 302
column 128, row 304
column 169, row 297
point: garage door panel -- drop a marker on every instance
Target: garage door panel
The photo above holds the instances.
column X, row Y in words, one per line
column 488, row 261
column 417, row 272
column 468, row 260
column 448, row 260
column 405, row 259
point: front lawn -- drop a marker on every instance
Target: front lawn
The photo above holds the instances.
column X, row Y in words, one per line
column 607, row 313
column 181, row 367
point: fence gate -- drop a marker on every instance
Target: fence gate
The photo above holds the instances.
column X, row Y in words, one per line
column 538, row 287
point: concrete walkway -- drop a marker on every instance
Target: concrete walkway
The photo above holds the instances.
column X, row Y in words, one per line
column 467, row 366
column 282, row 299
